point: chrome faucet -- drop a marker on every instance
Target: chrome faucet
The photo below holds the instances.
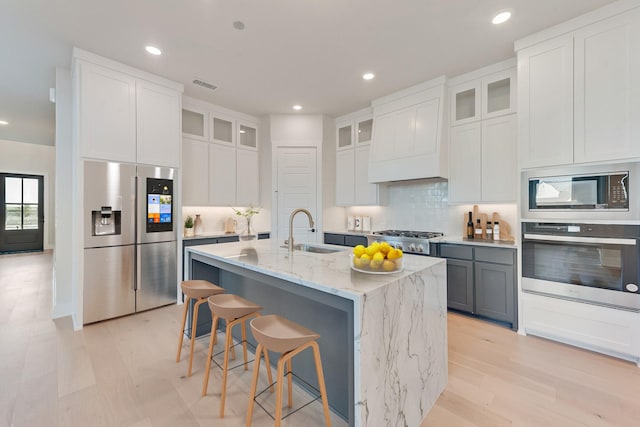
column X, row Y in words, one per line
column 289, row 241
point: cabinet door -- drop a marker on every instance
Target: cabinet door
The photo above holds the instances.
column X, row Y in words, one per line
column 353, row 241
column 495, row 291
column 364, row 131
column 499, row 94
column 345, row 178
column 223, row 129
column 158, row 124
column 465, row 157
column 195, row 123
column 247, row 178
column 607, row 98
column 344, row 136
column 222, row 175
column 247, row 135
column 499, row 159
column 195, row 173
column 107, row 114
column 365, row 193
column 460, row 285
column 465, row 102
column 334, row 239
column 545, row 103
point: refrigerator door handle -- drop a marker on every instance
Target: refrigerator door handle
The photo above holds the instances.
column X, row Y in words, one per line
column 138, row 279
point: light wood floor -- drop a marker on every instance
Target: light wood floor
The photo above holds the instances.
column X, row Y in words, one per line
column 123, row 372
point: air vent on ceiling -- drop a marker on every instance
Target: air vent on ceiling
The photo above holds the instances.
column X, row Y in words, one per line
column 205, row 84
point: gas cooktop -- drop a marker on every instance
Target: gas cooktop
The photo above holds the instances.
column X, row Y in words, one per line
column 415, row 242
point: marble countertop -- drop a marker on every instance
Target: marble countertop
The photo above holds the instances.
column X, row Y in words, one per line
column 329, row 272
column 473, row 242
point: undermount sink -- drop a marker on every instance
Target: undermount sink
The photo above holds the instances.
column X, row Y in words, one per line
column 311, row 248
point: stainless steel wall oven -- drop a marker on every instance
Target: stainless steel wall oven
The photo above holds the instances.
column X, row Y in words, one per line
column 594, row 263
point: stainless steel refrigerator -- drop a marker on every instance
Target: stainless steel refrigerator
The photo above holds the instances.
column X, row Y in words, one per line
column 129, row 239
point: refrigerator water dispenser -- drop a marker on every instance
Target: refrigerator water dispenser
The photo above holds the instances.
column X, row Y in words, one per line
column 105, row 222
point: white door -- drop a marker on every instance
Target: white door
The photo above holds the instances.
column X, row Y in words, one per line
column 296, row 188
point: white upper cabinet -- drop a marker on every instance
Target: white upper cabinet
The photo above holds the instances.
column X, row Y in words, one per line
column 465, row 170
column 345, row 178
column 247, row 135
column 352, row 160
column 195, row 176
column 158, row 125
column 195, row 123
column 223, row 129
column 545, row 103
column 222, row 175
column 483, row 94
column 499, row 159
column 124, row 114
column 409, row 137
column 106, row 113
column 579, row 93
column 607, row 98
column 344, row 135
column 247, row 178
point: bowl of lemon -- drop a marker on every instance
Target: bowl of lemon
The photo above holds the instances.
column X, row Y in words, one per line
column 377, row 258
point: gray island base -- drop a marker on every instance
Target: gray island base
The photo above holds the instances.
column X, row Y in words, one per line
column 383, row 337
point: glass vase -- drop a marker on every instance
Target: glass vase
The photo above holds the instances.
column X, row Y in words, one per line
column 249, row 233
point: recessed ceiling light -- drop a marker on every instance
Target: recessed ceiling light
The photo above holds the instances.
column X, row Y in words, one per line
column 368, row 76
column 242, row 131
column 3, row 122
column 501, row 17
column 297, row 107
column 153, row 50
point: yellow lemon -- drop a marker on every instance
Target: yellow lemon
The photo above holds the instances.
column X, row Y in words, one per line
column 374, row 265
column 365, row 259
column 388, row 265
column 372, row 249
column 385, row 247
column 394, row 253
column 377, row 258
column 358, row 250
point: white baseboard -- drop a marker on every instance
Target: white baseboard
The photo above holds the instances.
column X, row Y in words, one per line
column 61, row 310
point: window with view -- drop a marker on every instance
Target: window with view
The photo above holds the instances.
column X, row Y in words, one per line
column 21, row 203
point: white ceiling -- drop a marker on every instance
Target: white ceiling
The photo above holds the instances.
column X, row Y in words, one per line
column 311, row 52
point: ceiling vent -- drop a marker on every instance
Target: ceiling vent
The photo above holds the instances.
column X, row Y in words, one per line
column 205, row 84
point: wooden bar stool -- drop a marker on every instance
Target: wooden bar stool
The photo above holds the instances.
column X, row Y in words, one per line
column 234, row 310
column 198, row 290
column 283, row 336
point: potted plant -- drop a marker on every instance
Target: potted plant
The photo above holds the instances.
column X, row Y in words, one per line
column 188, row 227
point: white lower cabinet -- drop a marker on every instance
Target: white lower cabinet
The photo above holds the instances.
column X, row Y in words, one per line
column 219, row 175
column 482, row 158
column 601, row 329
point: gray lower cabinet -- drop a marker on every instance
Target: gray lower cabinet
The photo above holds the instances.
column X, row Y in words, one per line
column 460, row 285
column 344, row 239
column 481, row 281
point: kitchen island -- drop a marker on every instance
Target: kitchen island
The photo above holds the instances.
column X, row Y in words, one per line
column 383, row 337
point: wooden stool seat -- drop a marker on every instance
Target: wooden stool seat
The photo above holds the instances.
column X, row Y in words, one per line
column 278, row 334
column 234, row 310
column 231, row 307
column 198, row 290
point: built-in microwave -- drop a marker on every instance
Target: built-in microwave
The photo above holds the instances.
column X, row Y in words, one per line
column 580, row 192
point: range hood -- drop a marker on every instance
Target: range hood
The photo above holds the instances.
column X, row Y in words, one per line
column 410, row 134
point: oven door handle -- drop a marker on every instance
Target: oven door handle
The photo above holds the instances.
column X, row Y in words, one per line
column 579, row 239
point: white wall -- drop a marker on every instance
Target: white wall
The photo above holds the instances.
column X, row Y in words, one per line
column 34, row 159
column 422, row 205
column 63, row 255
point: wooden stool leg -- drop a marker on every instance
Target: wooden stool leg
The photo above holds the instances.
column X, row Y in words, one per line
column 266, row 360
column 212, row 339
column 290, row 383
column 243, row 326
column 279, row 381
column 184, row 322
column 225, row 367
column 323, row 390
column 254, row 382
column 193, row 332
